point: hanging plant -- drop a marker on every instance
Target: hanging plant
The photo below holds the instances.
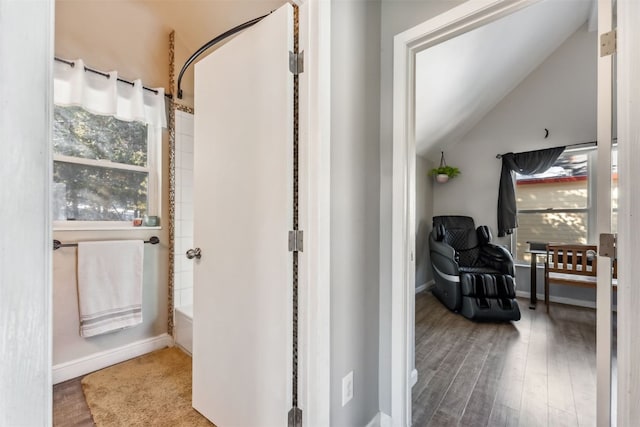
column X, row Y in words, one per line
column 443, row 172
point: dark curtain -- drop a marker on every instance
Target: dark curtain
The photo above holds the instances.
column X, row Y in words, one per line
column 527, row 163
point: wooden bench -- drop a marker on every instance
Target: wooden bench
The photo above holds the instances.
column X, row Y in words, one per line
column 574, row 265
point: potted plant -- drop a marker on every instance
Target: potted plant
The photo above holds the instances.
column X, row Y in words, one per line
column 444, row 172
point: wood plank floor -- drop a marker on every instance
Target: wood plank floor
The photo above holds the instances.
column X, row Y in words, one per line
column 69, row 405
column 539, row 371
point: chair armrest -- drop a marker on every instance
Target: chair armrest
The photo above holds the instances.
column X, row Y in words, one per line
column 443, row 256
column 498, row 258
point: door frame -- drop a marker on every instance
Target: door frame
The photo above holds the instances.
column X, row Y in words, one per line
column 458, row 20
column 314, row 209
column 628, row 108
column 26, row 313
column 604, row 307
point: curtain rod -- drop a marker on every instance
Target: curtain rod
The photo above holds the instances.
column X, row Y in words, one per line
column 107, row 75
column 592, row 143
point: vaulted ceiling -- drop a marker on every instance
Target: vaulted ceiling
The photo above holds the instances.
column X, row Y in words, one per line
column 461, row 80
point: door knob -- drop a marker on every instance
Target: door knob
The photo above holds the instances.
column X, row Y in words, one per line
column 194, row 253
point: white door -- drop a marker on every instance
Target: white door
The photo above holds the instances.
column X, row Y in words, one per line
column 242, row 214
column 604, row 181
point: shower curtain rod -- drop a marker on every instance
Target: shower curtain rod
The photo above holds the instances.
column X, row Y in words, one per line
column 214, row 41
column 592, row 143
column 107, row 75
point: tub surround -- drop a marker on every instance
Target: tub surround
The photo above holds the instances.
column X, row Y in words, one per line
column 184, row 328
column 183, row 267
column 183, row 240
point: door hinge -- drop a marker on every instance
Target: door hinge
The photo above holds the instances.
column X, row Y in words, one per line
column 295, row 417
column 608, row 43
column 608, row 245
column 296, row 62
column 296, row 241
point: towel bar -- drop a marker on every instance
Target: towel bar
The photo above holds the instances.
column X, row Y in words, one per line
column 154, row 240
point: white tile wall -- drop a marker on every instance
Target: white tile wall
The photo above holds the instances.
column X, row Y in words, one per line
column 183, row 268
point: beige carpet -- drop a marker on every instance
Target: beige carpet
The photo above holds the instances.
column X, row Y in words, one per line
column 152, row 390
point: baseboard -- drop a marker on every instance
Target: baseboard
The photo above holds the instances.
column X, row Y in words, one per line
column 84, row 365
column 425, row 286
column 414, row 377
column 380, row 420
column 561, row 300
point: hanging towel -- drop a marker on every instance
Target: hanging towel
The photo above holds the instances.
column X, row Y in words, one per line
column 109, row 285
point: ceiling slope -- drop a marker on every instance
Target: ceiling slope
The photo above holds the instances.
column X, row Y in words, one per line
column 459, row 81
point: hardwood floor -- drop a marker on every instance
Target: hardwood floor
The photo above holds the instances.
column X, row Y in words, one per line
column 539, row 371
column 69, row 405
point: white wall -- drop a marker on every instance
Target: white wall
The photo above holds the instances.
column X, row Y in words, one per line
column 424, row 215
column 559, row 95
column 68, row 345
column 355, row 60
column 86, row 30
column 183, row 237
column 26, row 30
column 396, row 17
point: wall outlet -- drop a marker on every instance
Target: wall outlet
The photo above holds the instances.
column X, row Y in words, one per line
column 347, row 388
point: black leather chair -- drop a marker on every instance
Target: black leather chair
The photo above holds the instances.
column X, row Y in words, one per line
column 472, row 276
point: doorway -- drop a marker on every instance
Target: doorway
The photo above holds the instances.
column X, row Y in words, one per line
column 407, row 45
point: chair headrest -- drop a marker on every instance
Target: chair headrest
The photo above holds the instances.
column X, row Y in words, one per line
column 454, row 221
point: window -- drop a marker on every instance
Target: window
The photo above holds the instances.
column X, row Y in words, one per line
column 107, row 137
column 104, row 168
column 557, row 205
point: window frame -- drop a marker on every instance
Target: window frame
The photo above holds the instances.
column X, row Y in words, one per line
column 154, row 180
column 590, row 209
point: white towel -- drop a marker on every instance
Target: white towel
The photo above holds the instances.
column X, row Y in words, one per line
column 109, row 285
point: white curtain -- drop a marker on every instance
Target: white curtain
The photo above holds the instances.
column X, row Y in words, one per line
column 107, row 96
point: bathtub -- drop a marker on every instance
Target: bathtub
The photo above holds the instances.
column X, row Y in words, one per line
column 183, row 322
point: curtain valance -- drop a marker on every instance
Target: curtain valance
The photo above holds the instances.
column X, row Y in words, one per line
column 72, row 85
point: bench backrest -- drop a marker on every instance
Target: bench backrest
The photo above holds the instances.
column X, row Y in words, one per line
column 572, row 259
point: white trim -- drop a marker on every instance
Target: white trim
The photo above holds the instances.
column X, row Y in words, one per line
column 100, row 163
column 460, row 19
column 414, row 377
column 628, row 108
column 26, row 52
column 426, row 286
column 380, row 420
column 560, row 300
column 603, row 220
column 84, row 365
column 315, row 185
